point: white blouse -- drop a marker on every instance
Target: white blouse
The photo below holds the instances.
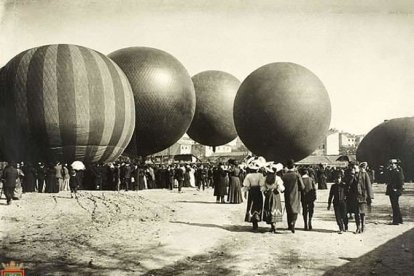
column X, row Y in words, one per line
column 253, row 180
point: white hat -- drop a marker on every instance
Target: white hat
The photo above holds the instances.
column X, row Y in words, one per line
column 250, row 160
column 269, row 167
column 261, row 161
column 253, row 165
column 277, row 167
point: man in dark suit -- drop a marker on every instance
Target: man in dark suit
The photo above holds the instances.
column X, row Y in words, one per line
column 9, row 177
column 293, row 186
column 395, row 182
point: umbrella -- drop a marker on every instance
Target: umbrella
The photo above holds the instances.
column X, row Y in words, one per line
column 78, row 165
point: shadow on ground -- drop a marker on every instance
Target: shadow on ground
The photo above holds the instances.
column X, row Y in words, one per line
column 214, row 263
column 121, row 260
column 395, row 257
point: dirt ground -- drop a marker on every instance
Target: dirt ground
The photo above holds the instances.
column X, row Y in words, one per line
column 160, row 232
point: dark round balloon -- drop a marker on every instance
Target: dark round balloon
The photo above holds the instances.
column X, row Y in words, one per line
column 164, row 98
column 213, row 123
column 64, row 103
column 282, row 111
column 393, row 139
column 2, row 122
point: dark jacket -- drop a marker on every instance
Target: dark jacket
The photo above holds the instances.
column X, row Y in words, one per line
column 309, row 191
column 293, row 186
column 338, row 193
column 74, row 181
column 395, row 182
column 360, row 189
column 10, row 175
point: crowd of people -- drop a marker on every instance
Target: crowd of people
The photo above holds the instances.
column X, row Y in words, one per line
column 351, row 193
column 259, row 182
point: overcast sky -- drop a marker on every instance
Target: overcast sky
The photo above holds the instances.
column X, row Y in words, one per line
column 362, row 52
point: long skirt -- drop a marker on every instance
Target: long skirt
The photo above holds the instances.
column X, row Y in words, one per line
column 18, row 190
column 322, row 183
column 187, row 180
column 29, row 184
column 235, row 193
column 220, row 188
column 254, row 205
column 66, row 184
column 272, row 211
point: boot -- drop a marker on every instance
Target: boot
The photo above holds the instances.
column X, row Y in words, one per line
column 294, row 218
column 255, row 226
column 358, row 222
column 305, row 222
column 305, row 219
column 362, row 223
column 310, row 219
column 272, row 228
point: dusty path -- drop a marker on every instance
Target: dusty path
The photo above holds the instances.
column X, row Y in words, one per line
column 159, row 232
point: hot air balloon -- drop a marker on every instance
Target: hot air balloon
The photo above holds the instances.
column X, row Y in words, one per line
column 164, row 98
column 2, row 127
column 64, row 103
column 393, row 139
column 282, row 111
column 213, row 123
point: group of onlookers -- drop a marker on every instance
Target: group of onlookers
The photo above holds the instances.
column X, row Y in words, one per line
column 263, row 182
column 19, row 178
column 351, row 193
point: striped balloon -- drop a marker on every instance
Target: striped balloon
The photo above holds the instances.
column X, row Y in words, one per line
column 63, row 103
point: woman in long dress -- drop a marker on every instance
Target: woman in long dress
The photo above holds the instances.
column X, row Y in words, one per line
column 187, row 177
column 235, row 194
column 50, row 179
column 252, row 183
column 192, row 177
column 272, row 189
column 29, row 178
column 18, row 190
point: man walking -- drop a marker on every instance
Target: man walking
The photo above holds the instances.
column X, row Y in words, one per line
column 293, row 186
column 360, row 196
column 9, row 177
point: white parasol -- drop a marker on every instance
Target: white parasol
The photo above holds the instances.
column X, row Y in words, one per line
column 78, row 165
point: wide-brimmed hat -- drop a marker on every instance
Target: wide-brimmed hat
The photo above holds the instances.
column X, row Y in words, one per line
column 277, row 167
column 269, row 167
column 253, row 165
column 261, row 161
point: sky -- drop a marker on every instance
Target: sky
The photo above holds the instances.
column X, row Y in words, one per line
column 361, row 50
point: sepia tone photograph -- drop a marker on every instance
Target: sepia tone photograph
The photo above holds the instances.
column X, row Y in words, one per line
column 206, row 137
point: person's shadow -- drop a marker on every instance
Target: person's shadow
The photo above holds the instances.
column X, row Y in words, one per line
column 248, row 228
column 202, row 202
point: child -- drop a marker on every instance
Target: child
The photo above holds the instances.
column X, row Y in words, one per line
column 339, row 193
column 73, row 183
